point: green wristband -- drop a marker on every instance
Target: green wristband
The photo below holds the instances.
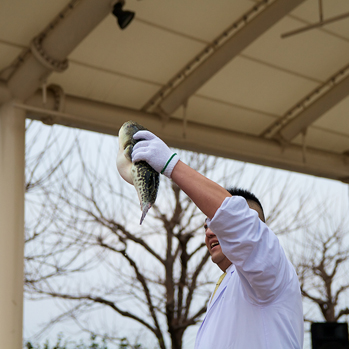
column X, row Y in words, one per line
column 169, row 160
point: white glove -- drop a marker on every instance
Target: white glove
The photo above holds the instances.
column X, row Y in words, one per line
column 155, row 152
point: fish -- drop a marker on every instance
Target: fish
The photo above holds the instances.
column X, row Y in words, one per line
column 140, row 174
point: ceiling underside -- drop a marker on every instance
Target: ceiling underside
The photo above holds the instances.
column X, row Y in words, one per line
column 214, row 77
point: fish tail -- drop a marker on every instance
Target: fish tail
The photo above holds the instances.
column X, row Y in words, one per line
column 145, row 208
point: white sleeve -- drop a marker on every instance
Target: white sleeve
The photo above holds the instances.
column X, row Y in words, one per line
column 253, row 248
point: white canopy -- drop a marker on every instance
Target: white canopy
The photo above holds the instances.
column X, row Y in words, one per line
column 209, row 76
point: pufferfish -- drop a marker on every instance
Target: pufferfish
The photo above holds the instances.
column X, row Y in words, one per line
column 141, row 175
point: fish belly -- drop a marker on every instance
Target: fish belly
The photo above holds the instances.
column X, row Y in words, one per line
column 124, row 165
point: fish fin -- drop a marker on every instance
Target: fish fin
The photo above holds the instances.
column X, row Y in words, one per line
column 145, row 209
column 128, row 152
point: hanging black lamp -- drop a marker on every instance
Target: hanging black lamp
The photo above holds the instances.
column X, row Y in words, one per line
column 123, row 17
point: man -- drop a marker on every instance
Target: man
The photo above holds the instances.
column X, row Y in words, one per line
column 258, row 303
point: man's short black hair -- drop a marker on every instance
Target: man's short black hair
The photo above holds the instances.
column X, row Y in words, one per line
column 234, row 191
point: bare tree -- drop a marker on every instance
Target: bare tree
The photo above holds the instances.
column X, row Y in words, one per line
column 321, row 258
column 45, row 155
column 88, row 250
column 162, row 262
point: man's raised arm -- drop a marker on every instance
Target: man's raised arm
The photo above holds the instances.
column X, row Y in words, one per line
column 206, row 194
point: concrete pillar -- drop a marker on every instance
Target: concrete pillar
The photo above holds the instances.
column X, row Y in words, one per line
column 12, row 179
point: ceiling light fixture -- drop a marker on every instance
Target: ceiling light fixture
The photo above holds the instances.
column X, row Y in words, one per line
column 123, row 17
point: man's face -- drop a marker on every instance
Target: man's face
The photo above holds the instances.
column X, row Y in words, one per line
column 212, row 243
column 215, row 249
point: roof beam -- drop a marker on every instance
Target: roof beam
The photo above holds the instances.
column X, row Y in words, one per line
column 245, row 30
column 48, row 50
column 311, row 107
column 106, row 118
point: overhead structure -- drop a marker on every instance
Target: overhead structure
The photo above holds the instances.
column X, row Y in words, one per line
column 263, row 81
column 216, row 55
column 226, row 68
column 311, row 107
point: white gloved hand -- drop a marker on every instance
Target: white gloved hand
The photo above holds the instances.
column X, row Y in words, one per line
column 155, row 152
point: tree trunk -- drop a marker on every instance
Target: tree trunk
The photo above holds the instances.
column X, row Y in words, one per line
column 177, row 338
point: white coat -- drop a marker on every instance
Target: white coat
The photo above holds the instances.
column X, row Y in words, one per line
column 258, row 305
